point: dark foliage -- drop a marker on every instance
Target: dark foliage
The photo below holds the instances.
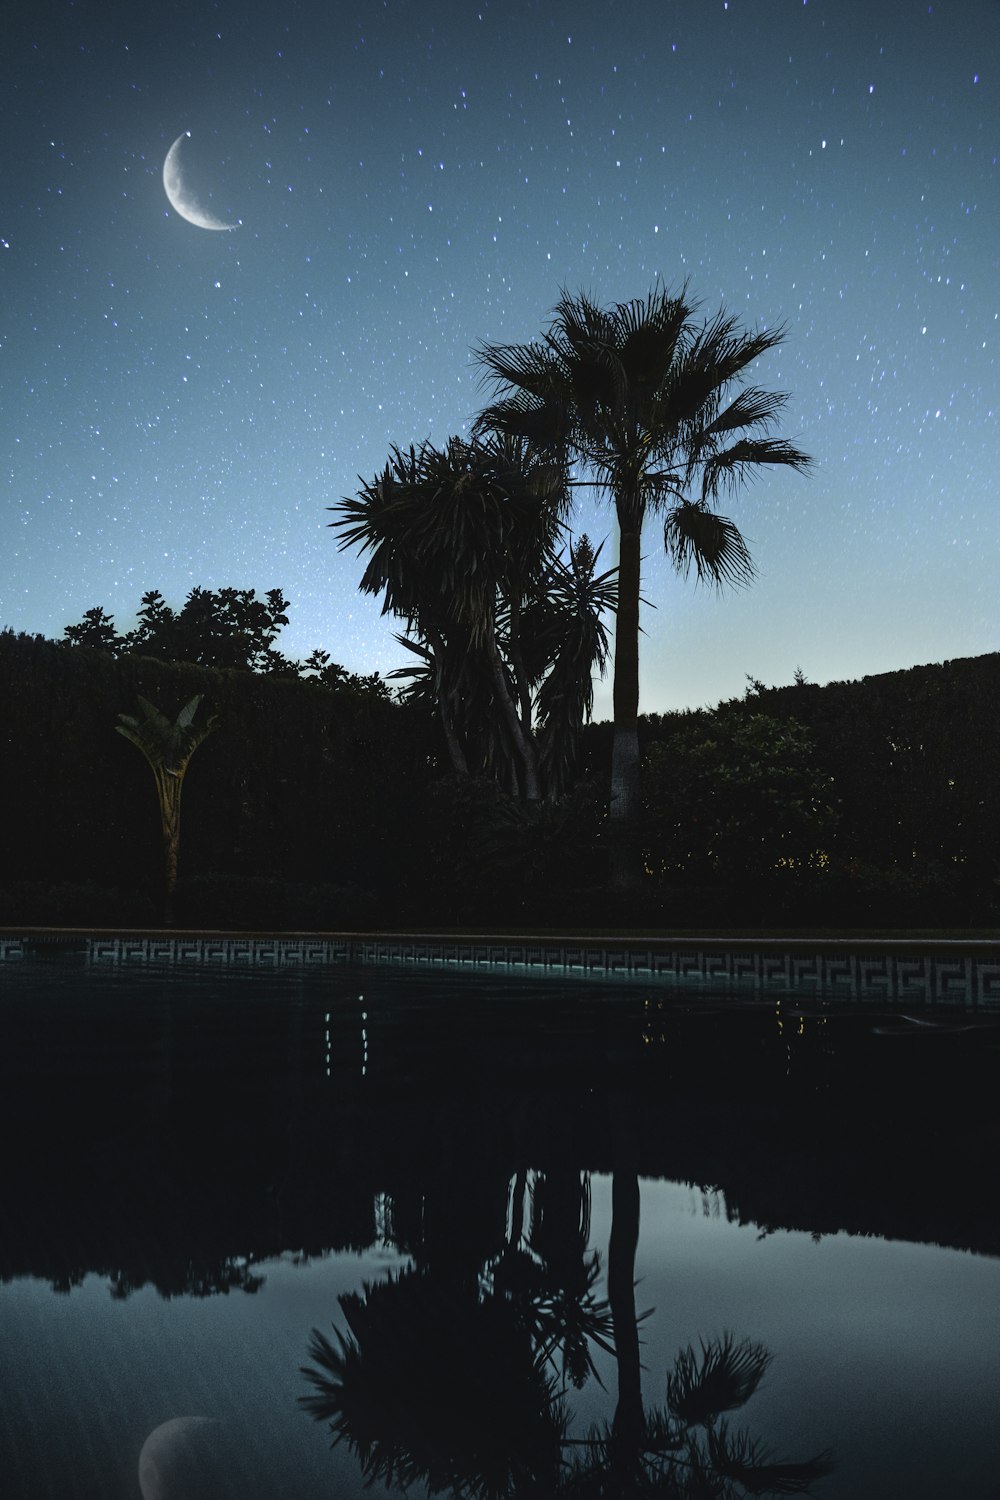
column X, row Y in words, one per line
column 43, row 903
column 261, row 903
column 320, row 803
column 738, row 801
column 466, row 546
column 432, row 1384
column 303, row 784
column 491, row 858
column 868, row 803
column 225, row 628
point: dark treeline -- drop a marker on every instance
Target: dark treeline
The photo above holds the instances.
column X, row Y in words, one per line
column 213, row 628
column 324, row 803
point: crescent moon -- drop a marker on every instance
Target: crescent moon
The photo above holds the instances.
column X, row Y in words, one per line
column 180, row 197
column 174, row 1460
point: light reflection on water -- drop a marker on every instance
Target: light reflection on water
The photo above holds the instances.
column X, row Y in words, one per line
column 250, row 1153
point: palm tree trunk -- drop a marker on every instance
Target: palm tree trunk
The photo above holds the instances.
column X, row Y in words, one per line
column 517, row 666
column 455, row 752
column 624, row 808
column 627, row 1424
column 520, row 1184
column 168, row 787
column 524, row 743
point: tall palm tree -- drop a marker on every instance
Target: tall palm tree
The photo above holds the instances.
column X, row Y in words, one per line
column 651, row 402
column 168, row 747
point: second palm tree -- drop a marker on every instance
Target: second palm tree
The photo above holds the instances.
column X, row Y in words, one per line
column 651, row 403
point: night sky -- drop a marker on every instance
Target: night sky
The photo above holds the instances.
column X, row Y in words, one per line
column 411, row 177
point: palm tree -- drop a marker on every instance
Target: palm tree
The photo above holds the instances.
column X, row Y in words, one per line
column 465, row 548
column 168, row 748
column 687, row 1448
column 651, row 403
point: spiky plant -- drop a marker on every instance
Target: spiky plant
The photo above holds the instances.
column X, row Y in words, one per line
column 464, row 546
column 168, row 746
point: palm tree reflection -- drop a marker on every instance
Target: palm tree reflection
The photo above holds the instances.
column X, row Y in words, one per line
column 459, row 1382
column 545, row 1271
column 431, row 1383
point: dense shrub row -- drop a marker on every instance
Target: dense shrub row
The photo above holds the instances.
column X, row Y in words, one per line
column 875, row 802
column 868, row 803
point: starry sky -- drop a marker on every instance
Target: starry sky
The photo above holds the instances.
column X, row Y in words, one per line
column 410, row 177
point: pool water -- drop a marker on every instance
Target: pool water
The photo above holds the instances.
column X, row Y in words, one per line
column 518, row 1200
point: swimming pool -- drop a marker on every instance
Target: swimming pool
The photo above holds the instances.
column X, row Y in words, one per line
column 207, row 1163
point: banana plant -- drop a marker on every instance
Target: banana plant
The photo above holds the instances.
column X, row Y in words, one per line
column 168, row 747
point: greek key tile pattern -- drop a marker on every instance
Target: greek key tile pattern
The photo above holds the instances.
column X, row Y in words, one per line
column 264, row 953
column 952, row 977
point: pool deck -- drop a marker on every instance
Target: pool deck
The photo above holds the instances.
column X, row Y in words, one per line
column 917, row 971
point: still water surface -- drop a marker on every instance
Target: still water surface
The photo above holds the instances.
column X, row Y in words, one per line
column 465, row 1176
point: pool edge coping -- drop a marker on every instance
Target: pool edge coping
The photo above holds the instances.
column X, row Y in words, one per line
column 585, row 941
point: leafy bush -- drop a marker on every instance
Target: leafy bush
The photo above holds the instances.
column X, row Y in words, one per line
column 737, row 796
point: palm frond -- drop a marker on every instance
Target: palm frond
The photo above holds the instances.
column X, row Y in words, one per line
column 708, row 361
column 546, row 426
column 649, row 331
column 726, row 345
column 571, row 1324
column 188, row 712
column 737, row 1456
column 167, row 744
column 740, row 462
column 699, row 538
column 324, row 1402
column 527, row 367
column 752, row 407
column 154, row 722
column 579, row 322
column 723, row 1377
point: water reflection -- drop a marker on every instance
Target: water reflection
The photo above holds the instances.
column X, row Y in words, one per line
column 455, row 1374
column 209, row 1171
column 180, row 1137
column 433, row 1383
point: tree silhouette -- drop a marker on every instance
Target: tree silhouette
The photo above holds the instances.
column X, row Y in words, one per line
column 456, row 1376
column 214, row 628
column 686, row 1448
column 641, row 395
column 168, row 747
column 432, row 1384
column 96, row 630
column 224, row 628
column 465, row 547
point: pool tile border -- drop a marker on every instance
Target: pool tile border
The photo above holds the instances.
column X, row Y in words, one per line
column 229, row 951
column 892, row 971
